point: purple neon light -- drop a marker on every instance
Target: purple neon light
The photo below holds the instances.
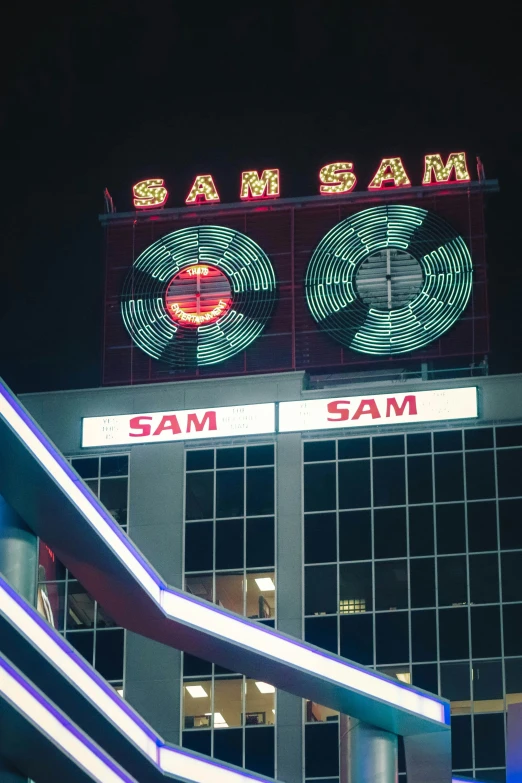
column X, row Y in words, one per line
column 175, row 603
column 70, row 727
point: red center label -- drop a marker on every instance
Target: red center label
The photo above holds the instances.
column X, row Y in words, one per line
column 198, row 295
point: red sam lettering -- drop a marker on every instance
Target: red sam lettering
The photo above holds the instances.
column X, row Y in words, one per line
column 367, row 408
column 340, row 414
column 410, row 400
column 168, row 423
column 208, row 418
column 136, row 423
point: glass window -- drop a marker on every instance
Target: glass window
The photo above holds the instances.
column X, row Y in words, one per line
column 321, row 589
column 485, row 631
column 391, row 637
column 230, row 458
column 353, row 448
column 321, row 750
column 511, row 576
column 355, row 535
column 425, row 676
column 114, row 466
column 318, row 713
column 260, row 595
column 259, row 703
column 488, row 692
column 421, row 530
column 482, row 526
column 509, row 469
column 197, row 698
column 113, row 495
column 389, row 482
column 512, row 621
column 229, row 493
column 199, row 495
column 354, row 484
column 199, row 546
column 87, row 467
column 199, row 741
column 420, row 480
column 49, row 567
column 260, row 750
column 452, row 581
column 489, row 740
column 480, row 475
column 109, row 653
column 453, row 634
column 200, row 459
column 318, row 450
column 388, row 445
column 510, row 514
column 355, row 588
column 228, row 746
column 419, row 442
column 320, row 536
column 227, row 702
column 513, row 679
column 195, row 667
column 83, row 643
column 260, row 491
column 200, row 585
column 424, row 635
column 103, row 618
column 451, row 528
column 260, row 542
column 481, row 438
column 51, row 602
column 229, row 592
column 319, row 487
column 449, row 478
column 80, row 607
column 229, row 543
column 260, row 455
column 356, row 638
column 322, row 631
column 390, row 532
column 422, row 582
column 391, row 585
column 461, row 745
column 509, row 436
column 447, row 440
column 455, row 685
column 483, row 578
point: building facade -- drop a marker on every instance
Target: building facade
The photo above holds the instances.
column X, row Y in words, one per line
column 394, row 543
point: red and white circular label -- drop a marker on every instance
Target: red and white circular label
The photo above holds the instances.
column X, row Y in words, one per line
column 197, row 295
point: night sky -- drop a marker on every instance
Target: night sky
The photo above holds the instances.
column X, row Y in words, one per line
column 112, row 92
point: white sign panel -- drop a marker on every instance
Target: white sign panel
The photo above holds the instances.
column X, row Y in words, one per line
column 378, row 410
column 164, row 426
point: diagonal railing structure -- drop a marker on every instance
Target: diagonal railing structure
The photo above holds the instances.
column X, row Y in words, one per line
column 45, row 491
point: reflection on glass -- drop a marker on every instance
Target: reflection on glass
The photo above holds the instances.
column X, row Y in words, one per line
column 50, row 603
column 318, row 713
column 260, row 595
column 227, row 702
column 200, row 585
column 197, row 697
column 259, row 703
column 229, row 592
column 80, row 607
column 401, row 673
column 455, row 686
column 49, row 567
column 113, row 495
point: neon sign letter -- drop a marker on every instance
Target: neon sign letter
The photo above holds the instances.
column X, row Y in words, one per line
column 390, row 171
column 337, row 178
column 456, row 162
column 149, row 193
column 264, row 186
column 203, row 189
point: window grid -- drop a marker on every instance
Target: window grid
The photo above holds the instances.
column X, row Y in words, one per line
column 466, row 502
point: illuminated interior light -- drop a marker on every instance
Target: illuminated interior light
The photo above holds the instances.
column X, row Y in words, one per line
column 219, row 721
column 391, row 172
column 441, row 279
column 55, row 726
column 337, row 178
column 244, row 279
column 197, row 691
column 254, row 186
column 149, row 193
column 203, row 190
column 434, row 167
column 404, row 677
column 265, row 584
column 264, row 687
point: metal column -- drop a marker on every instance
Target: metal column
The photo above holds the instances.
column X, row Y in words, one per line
column 368, row 754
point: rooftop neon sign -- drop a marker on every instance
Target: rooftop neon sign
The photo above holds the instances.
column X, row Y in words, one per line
column 334, row 179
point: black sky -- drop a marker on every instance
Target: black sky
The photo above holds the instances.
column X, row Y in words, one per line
column 106, row 93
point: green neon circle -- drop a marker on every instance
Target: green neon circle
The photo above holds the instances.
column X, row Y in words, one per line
column 330, row 282
column 252, row 281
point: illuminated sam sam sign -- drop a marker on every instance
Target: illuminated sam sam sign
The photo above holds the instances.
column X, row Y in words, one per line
column 334, row 179
column 324, row 414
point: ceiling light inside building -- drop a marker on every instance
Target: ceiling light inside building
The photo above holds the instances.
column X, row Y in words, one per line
column 265, row 584
column 197, row 691
column 219, row 721
column 264, row 687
